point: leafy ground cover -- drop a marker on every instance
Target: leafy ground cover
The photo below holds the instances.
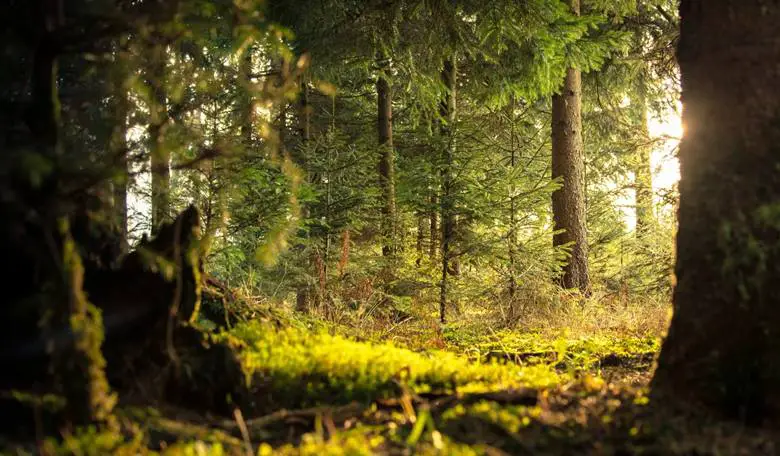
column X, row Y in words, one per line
column 323, row 393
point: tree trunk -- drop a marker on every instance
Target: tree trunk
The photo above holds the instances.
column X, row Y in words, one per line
column 303, row 292
column 643, row 173
column 420, row 238
column 160, row 156
column 568, row 164
column 119, row 153
column 247, row 105
column 386, row 164
column 44, row 114
column 433, row 247
column 79, row 367
column 448, row 112
column 512, row 235
column 723, row 347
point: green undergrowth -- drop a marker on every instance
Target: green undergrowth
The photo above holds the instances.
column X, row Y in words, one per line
column 330, row 394
column 572, row 353
column 297, row 368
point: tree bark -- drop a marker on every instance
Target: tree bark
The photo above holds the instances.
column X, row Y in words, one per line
column 568, row 165
column 386, row 164
column 160, row 156
column 723, row 347
column 448, row 113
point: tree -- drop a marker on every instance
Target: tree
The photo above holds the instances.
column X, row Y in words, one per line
column 568, row 164
column 386, row 159
column 158, row 152
column 643, row 171
column 723, row 347
column 449, row 76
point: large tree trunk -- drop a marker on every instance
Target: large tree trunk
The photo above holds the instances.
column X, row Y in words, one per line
column 723, row 347
column 79, row 367
column 568, row 164
column 448, row 112
column 160, row 156
column 386, row 164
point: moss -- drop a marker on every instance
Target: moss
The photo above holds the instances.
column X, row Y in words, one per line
column 575, row 355
column 89, row 395
column 297, row 368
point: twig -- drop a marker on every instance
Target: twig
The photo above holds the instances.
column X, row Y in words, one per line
column 244, row 431
column 257, row 425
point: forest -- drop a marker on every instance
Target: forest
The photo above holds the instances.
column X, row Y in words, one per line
column 357, row 227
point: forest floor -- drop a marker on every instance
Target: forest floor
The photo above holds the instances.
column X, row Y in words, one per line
column 411, row 388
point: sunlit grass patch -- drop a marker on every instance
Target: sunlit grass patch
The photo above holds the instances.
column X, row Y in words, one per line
column 358, row 442
column 298, row 368
column 532, row 348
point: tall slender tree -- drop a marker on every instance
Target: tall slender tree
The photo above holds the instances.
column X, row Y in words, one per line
column 723, row 347
column 159, row 154
column 118, row 147
column 448, row 113
column 568, row 164
column 643, row 172
column 386, row 158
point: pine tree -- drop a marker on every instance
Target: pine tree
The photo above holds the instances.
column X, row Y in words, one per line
column 568, row 164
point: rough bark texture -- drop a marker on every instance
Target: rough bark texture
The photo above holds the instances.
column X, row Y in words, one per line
column 448, row 113
column 723, row 347
column 386, row 164
column 568, row 164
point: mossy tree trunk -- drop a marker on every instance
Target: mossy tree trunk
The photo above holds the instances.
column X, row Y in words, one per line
column 723, row 347
column 80, row 365
column 568, row 165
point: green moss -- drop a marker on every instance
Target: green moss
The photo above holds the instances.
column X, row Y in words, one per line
column 301, row 368
column 576, row 355
column 87, row 389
